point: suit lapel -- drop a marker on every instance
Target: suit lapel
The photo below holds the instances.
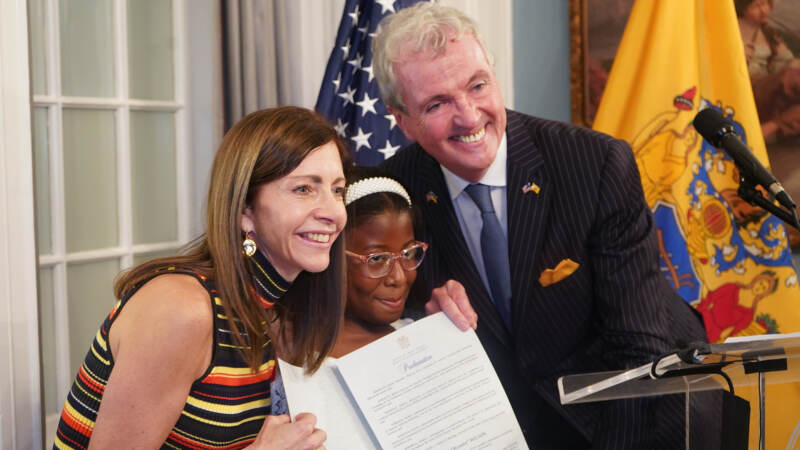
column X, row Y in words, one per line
column 527, row 211
column 440, row 218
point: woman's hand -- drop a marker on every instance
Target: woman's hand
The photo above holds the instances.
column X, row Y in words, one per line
column 279, row 432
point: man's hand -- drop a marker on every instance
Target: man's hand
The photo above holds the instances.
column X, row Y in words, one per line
column 452, row 299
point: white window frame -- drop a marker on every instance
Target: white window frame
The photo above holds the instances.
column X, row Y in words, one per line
column 121, row 105
column 20, row 396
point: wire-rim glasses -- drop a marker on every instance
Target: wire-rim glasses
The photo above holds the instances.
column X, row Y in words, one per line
column 378, row 265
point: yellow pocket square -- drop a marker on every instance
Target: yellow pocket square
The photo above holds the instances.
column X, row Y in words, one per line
column 561, row 271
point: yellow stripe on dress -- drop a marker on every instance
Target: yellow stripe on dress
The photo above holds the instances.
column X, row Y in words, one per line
column 228, row 409
column 240, row 371
column 114, row 309
column 100, row 357
column 238, row 347
column 78, row 417
column 100, row 340
column 93, row 397
column 94, row 376
column 59, row 444
column 223, row 424
column 167, row 444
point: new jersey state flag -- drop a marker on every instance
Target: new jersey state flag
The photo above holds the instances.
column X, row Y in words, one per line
column 349, row 96
column 728, row 259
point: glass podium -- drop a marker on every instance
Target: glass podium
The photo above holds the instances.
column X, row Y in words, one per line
column 771, row 358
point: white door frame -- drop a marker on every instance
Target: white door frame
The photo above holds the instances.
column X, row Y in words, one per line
column 20, row 379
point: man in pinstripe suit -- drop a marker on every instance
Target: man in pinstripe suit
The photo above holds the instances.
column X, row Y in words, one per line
column 586, row 290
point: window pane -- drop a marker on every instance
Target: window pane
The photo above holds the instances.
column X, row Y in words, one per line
column 41, row 155
column 90, row 179
column 90, row 299
column 47, row 320
column 87, row 59
column 142, row 257
column 37, row 43
column 150, row 49
column 155, row 212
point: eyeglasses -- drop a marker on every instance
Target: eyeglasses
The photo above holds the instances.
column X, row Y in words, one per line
column 378, row 265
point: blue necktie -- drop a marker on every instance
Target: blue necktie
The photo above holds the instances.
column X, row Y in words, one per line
column 494, row 250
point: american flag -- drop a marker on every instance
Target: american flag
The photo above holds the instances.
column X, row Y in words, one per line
column 349, row 96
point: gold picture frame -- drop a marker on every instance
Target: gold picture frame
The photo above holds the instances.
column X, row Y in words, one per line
column 592, row 46
column 577, row 66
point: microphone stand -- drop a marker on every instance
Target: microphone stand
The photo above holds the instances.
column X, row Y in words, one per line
column 748, row 192
column 735, row 410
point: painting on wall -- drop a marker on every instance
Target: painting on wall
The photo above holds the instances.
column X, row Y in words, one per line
column 770, row 32
column 596, row 28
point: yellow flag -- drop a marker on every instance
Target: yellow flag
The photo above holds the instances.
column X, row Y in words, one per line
column 728, row 259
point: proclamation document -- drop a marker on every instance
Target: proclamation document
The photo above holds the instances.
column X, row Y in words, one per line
column 325, row 395
column 429, row 385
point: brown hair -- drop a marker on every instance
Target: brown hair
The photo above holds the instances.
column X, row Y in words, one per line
column 264, row 146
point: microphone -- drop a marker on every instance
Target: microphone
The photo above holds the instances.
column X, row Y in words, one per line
column 694, row 352
column 720, row 133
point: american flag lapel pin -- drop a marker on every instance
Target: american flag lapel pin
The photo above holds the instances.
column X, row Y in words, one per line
column 431, row 198
column 531, row 187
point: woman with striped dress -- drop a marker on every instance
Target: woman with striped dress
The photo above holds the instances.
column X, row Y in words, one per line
column 186, row 357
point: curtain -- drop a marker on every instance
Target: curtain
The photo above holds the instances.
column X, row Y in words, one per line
column 275, row 52
column 249, row 55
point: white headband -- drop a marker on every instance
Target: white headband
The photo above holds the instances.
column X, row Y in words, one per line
column 374, row 185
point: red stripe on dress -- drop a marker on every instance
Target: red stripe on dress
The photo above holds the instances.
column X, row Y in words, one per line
column 227, row 398
column 65, row 438
column 113, row 311
column 199, row 446
column 238, row 380
column 77, row 425
column 89, row 382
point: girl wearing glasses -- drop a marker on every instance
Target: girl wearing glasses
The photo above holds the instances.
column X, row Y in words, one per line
column 382, row 258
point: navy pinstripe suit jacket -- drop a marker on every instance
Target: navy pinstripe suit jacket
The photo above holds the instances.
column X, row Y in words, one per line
column 616, row 310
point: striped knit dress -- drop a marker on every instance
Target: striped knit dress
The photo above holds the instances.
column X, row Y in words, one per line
column 226, row 407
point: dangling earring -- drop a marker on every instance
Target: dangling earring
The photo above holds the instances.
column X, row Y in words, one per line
column 249, row 245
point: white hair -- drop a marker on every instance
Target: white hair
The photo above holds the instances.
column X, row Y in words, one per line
column 424, row 26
